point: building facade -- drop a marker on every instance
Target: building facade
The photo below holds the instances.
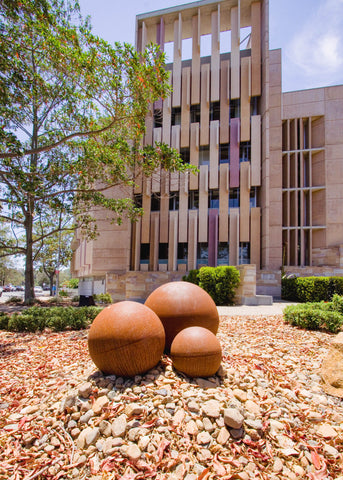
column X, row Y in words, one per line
column 269, row 191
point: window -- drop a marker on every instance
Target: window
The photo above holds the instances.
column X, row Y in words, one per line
column 224, row 153
column 195, row 113
column 145, row 252
column 182, row 252
column 158, row 117
column 155, row 203
column 254, row 106
column 202, row 253
column 137, row 200
column 184, row 153
column 223, row 253
column 176, row 116
column 213, row 199
column 174, row 202
column 193, row 200
column 245, row 152
column 235, row 108
column 244, row 253
column 163, row 253
column 253, row 197
column 214, row 111
column 204, row 155
column 234, row 198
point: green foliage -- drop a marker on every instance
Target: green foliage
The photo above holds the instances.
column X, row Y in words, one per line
column 219, row 282
column 192, row 277
column 103, row 298
column 327, row 316
column 73, row 111
column 55, row 318
column 4, row 317
column 63, row 293
column 311, row 289
column 72, row 283
column 14, row 299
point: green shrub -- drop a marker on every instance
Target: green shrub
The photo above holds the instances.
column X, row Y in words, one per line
column 337, row 304
column 220, row 283
column 4, row 317
column 314, row 316
column 63, row 293
column 72, row 283
column 75, row 298
column 56, row 318
column 14, row 299
column 311, row 289
column 104, row 298
column 192, row 277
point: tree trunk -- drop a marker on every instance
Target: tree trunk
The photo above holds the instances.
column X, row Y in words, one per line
column 51, row 280
column 29, row 274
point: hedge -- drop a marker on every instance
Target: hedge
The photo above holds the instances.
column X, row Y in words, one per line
column 219, row 282
column 327, row 316
column 311, row 289
column 56, row 318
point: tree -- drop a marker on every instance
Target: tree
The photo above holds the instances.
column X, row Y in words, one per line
column 73, row 111
column 53, row 254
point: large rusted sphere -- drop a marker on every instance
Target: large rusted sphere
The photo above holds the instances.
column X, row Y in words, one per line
column 180, row 305
column 126, row 339
column 196, row 352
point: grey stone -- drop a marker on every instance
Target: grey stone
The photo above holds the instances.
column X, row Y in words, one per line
column 119, row 425
column 233, row 418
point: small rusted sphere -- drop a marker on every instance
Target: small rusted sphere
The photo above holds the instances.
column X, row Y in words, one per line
column 180, row 305
column 126, row 339
column 196, row 352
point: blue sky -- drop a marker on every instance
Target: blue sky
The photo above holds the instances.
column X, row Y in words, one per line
column 310, row 33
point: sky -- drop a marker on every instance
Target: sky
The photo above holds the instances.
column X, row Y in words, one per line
column 309, row 32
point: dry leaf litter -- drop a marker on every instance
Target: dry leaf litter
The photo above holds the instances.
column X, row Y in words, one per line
column 263, row 416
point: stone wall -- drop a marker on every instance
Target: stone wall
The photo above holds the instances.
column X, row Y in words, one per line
column 325, row 271
column 137, row 286
column 268, row 282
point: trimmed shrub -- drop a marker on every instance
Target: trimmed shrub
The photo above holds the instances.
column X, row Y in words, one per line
column 192, row 277
column 4, row 317
column 36, row 319
column 337, row 304
column 311, row 289
column 104, row 298
column 220, row 283
column 316, row 316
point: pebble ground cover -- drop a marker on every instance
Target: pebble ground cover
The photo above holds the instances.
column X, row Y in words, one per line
column 264, row 415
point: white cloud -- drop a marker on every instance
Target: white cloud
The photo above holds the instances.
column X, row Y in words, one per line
column 316, row 51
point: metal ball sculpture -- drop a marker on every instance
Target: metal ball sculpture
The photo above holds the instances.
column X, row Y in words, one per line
column 180, row 305
column 196, row 352
column 126, row 339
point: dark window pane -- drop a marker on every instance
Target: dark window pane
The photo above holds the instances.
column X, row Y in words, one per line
column 244, row 151
column 184, row 152
column 244, row 253
column 195, row 113
column 235, row 108
column 163, row 253
column 182, row 252
column 253, row 197
column 213, row 199
column 234, row 198
column 224, row 153
column 223, row 253
column 145, row 252
column 204, row 155
column 176, row 116
column 202, row 253
column 193, row 200
column 215, row 111
column 158, row 117
column 155, row 203
column 174, row 202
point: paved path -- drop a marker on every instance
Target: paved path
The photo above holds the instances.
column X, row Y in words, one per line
column 275, row 309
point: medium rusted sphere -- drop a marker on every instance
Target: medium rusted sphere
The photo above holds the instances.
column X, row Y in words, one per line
column 180, row 305
column 196, row 352
column 126, row 339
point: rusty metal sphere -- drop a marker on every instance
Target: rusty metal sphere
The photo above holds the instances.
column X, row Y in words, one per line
column 126, row 339
column 196, row 352
column 180, row 305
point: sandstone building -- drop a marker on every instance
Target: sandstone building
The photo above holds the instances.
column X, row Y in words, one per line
column 269, row 191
